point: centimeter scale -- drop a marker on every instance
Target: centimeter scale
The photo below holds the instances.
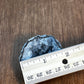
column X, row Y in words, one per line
column 53, row 64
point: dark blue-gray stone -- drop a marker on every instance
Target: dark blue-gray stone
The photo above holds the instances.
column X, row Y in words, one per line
column 38, row 45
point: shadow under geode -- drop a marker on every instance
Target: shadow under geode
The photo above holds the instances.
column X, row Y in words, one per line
column 18, row 43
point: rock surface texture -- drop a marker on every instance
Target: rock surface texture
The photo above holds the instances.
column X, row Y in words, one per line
column 39, row 45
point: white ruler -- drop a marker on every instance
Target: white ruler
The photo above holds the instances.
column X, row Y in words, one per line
column 53, row 64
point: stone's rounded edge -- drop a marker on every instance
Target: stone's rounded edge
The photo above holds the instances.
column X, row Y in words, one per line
column 58, row 45
column 32, row 38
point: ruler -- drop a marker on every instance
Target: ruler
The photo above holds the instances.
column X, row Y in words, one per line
column 54, row 64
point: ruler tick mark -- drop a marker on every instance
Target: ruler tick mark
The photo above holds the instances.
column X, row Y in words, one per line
column 83, row 61
column 44, row 61
column 67, row 54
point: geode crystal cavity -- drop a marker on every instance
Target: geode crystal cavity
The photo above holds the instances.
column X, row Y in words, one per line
column 38, row 45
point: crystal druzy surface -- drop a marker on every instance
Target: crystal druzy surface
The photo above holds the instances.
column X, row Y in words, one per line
column 38, row 45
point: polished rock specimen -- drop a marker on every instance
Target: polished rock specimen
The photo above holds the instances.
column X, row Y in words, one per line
column 39, row 45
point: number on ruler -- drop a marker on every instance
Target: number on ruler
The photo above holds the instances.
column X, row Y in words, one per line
column 39, row 74
column 76, row 63
column 30, row 77
column 67, row 66
column 58, row 69
column 48, row 72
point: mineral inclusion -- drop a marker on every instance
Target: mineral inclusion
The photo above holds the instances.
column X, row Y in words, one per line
column 39, row 45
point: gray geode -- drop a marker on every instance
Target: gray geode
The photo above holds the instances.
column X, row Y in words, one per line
column 39, row 45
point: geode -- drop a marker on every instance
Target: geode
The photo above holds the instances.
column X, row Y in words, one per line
column 39, row 45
